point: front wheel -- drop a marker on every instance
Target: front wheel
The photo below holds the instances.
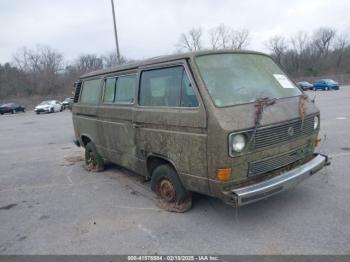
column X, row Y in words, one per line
column 13, row 111
column 167, row 185
column 51, row 110
column 93, row 160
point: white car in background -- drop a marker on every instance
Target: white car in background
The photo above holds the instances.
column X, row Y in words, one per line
column 49, row 106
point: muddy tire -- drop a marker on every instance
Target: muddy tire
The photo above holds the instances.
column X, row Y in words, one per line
column 94, row 162
column 167, row 185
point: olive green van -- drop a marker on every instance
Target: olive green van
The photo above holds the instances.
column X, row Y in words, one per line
column 228, row 124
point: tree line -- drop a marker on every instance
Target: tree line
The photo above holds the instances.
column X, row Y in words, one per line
column 44, row 71
column 322, row 52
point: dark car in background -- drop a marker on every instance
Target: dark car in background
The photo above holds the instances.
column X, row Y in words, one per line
column 66, row 102
column 305, row 85
column 326, row 84
column 11, row 108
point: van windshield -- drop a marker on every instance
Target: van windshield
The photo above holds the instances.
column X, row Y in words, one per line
column 233, row 79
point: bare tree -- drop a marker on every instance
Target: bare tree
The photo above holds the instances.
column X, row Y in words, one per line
column 110, row 60
column 41, row 67
column 214, row 38
column 88, row 63
column 340, row 45
column 300, row 42
column 220, row 37
column 191, row 41
column 239, row 39
column 299, row 51
column 322, row 39
column 42, row 59
column 278, row 46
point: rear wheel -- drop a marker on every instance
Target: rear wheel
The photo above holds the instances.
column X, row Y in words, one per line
column 93, row 160
column 327, row 88
column 13, row 111
column 51, row 110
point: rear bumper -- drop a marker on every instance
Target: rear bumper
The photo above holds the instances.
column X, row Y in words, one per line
column 252, row 193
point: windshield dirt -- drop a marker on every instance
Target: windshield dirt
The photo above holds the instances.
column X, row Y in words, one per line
column 233, row 79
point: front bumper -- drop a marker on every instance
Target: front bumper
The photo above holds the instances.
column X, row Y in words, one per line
column 41, row 110
column 252, row 193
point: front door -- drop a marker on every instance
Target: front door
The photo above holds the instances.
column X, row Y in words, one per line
column 170, row 121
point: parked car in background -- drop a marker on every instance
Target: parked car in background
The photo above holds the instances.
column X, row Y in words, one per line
column 326, row 84
column 66, row 102
column 305, row 85
column 49, row 106
column 11, row 108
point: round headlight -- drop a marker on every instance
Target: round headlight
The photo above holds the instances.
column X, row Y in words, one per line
column 316, row 122
column 238, row 143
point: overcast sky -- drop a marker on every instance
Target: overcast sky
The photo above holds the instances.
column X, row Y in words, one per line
column 149, row 28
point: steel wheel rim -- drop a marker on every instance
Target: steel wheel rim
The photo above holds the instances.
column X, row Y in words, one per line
column 91, row 160
column 167, row 190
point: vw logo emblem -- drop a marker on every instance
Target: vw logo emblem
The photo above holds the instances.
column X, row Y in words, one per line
column 290, row 131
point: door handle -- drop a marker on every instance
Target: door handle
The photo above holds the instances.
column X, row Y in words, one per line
column 136, row 125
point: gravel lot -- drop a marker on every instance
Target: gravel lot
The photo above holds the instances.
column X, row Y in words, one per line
column 49, row 204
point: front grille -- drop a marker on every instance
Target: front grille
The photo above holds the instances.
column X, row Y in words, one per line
column 273, row 163
column 281, row 133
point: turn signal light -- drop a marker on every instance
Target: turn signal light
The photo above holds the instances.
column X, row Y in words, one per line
column 223, row 174
column 317, row 141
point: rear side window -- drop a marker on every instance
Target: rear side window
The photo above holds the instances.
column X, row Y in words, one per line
column 125, row 90
column 168, row 87
column 109, row 90
column 120, row 89
column 91, row 91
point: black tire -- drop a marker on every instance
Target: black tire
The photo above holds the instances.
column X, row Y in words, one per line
column 51, row 110
column 93, row 160
column 37, row 113
column 13, row 111
column 166, row 175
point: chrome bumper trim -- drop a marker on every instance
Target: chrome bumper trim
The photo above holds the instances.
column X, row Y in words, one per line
column 264, row 189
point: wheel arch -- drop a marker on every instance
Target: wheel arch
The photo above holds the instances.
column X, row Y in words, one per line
column 154, row 160
column 85, row 139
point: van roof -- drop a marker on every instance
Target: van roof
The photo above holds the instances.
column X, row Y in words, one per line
column 165, row 58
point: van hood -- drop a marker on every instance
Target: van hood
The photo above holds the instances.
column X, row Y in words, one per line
column 242, row 117
column 42, row 106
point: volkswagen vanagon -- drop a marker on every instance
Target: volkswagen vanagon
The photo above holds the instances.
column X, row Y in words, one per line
column 228, row 124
